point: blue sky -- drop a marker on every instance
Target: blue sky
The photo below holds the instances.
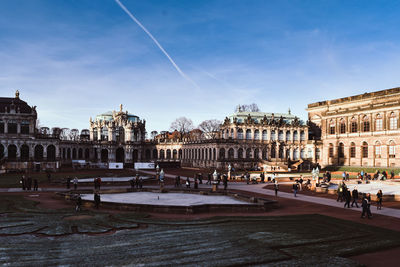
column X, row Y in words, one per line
column 75, row 59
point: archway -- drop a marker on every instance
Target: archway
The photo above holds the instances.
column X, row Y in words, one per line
column 51, row 153
column 104, row 155
column 38, row 153
column 12, row 152
column 120, row 155
column 135, row 155
column 24, row 153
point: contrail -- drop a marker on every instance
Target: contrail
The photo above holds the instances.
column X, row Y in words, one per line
column 157, row 43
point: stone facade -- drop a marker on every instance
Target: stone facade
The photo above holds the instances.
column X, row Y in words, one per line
column 361, row 130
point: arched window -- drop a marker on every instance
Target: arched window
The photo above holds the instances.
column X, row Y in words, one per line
column 364, row 150
column 240, row 153
column 341, row 150
column 332, row 127
column 74, row 153
column 1, row 127
column 392, row 149
column 317, row 153
column 280, row 135
column 256, row 153
column 302, row 136
column 232, row 133
column 248, row 134
column 352, row 150
column 95, row 134
column 257, row 135
column 168, row 153
column 231, row 153
column 162, row 154
column 12, row 127
column 281, row 150
column 80, row 153
column 264, row 135
column 12, row 152
column 309, row 153
column 265, row 153
column 393, row 121
column 249, row 153
column 378, row 123
column 38, row 153
column 378, row 149
column 273, row 135
column 87, row 153
column 51, row 153
column 331, row 150
column 222, row 153
column 365, row 124
column 24, row 153
column 104, row 155
column 24, row 127
column 120, row 155
column 296, row 154
column 287, row 136
column 120, row 134
column 342, row 126
column 240, row 134
column 273, row 151
column 302, row 154
column 295, row 136
column 174, row 154
column 104, row 134
column 354, row 125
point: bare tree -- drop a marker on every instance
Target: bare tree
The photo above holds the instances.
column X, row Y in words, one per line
column 210, row 128
column 248, row 108
column 182, row 125
column 153, row 134
column 74, row 135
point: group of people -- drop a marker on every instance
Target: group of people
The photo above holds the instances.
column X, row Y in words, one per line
column 136, row 182
column 97, row 183
column 26, row 183
column 74, row 181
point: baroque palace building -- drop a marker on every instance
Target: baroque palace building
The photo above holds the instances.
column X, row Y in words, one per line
column 361, row 130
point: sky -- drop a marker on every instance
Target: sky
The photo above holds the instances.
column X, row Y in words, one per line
column 78, row 58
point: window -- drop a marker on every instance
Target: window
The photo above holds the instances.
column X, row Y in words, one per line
column 364, row 150
column 342, row 126
column 317, row 153
column 352, row 150
column 302, row 154
column 95, row 134
column 378, row 123
column 377, row 150
column 104, row 134
column 341, row 150
column 366, row 124
column 273, row 135
column 330, row 150
column 332, row 127
column 240, row 134
column 392, row 150
column 353, row 125
column 1, row 127
column 295, row 136
column 248, row 134
column 264, row 135
column 256, row 134
column 25, row 127
column 280, row 136
column 392, row 121
column 302, row 136
column 12, row 127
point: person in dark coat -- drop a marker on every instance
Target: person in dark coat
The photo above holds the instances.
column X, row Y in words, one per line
column 276, row 188
column 196, row 184
column 96, row 200
column 379, row 197
column 365, row 207
column 347, row 197
column 209, row 178
column 23, row 182
column 177, row 181
column 247, row 178
column 78, row 203
column 68, row 182
column 295, row 188
column 35, row 185
column 354, row 194
column 392, row 175
column 225, row 181
column 200, row 178
column 340, row 192
column 187, row 182
column 140, row 183
column 132, row 182
column 262, row 177
column 29, row 183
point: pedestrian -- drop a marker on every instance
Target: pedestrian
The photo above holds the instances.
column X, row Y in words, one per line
column 209, row 178
column 187, row 182
column 78, row 203
column 276, row 187
column 379, row 197
column 344, row 176
column 225, row 181
column 347, row 197
column 200, row 178
column 365, row 207
column 347, row 177
column 262, row 177
column 75, row 182
column 29, row 183
column 340, row 193
column 196, row 184
column 140, row 183
column 35, row 185
column 95, row 183
column 247, row 178
column 48, row 177
column 68, row 182
column 98, row 183
column 137, row 181
column 23, row 182
column 132, row 182
column 96, row 200
column 354, row 194
column 392, row 175
column 295, row 188
column 177, row 181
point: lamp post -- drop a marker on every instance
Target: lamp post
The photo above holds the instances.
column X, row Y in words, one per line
column 215, row 181
column 157, row 171
column 229, row 171
column 162, row 174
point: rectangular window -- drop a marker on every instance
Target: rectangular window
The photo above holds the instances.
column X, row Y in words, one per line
column 393, row 123
column 379, row 125
column 332, row 130
column 331, row 152
column 352, row 152
column 354, row 127
column 318, row 153
column 342, row 128
column 366, row 126
column 12, row 127
column 24, row 127
column 392, row 151
column 378, row 151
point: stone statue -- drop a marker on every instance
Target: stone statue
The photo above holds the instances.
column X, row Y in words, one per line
column 120, row 107
column 17, row 94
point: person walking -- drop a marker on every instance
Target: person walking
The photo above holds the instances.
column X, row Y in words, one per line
column 354, row 194
column 347, row 197
column 78, row 203
column 247, row 178
column 340, row 193
column 187, row 182
column 262, row 177
column 295, row 188
column 225, row 181
column 75, row 183
column 132, row 182
column 365, row 207
column 276, row 187
column 96, row 200
column 196, row 184
column 68, row 182
column 209, row 178
column 35, row 185
column 23, row 182
column 379, row 197
column 29, row 183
